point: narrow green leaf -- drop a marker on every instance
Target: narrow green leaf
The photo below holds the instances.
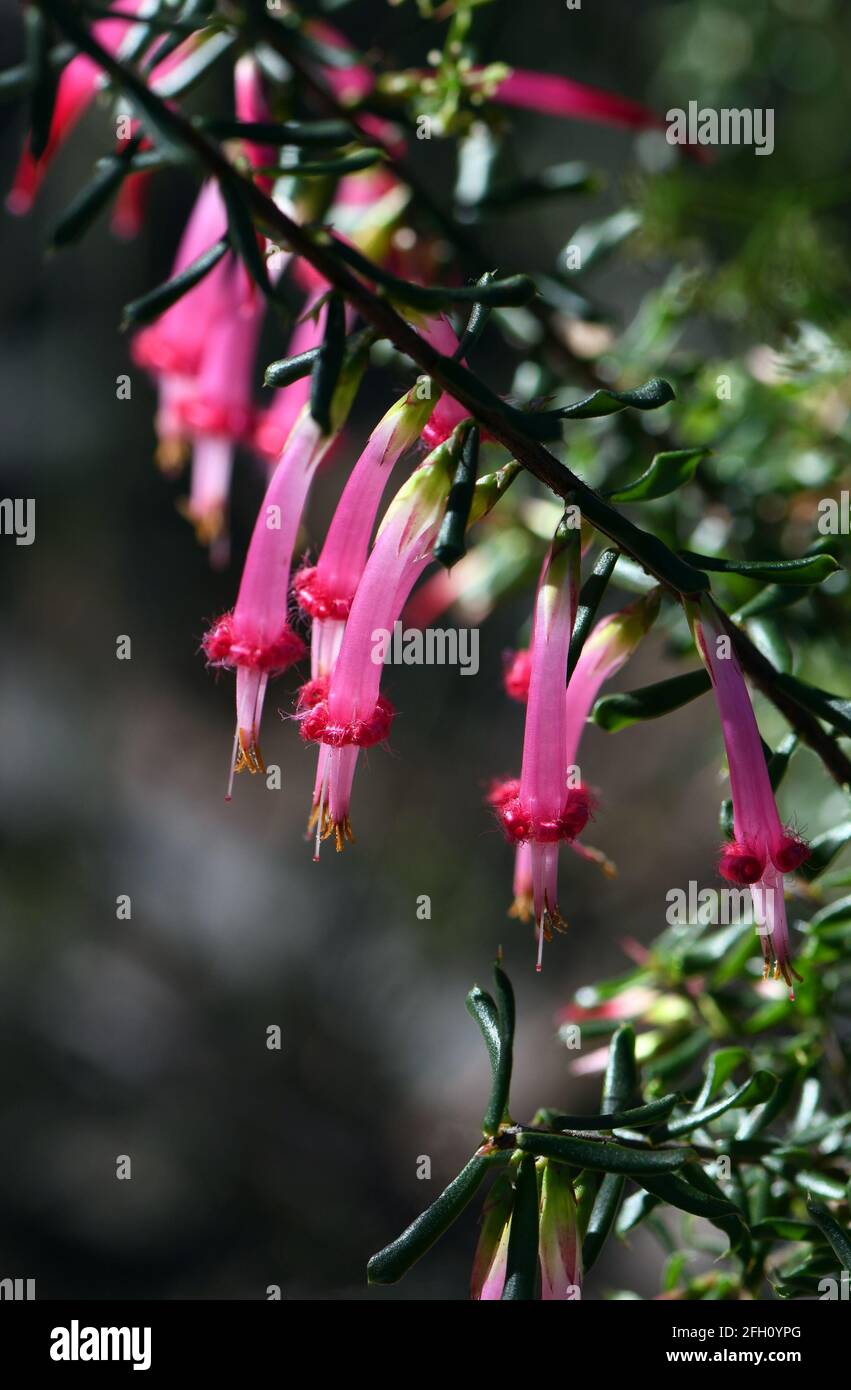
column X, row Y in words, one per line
column 396, row 1259
column 329, row 134
column 769, row 639
column 329, row 363
column 834, row 709
column 85, row 207
column 635, row 1209
column 667, row 472
column 809, row 569
column 601, row 1220
column 614, row 712
column 821, row 1184
column 243, row 235
column 481, row 1006
column 497, row 1110
column 824, row 849
column 521, row 1271
column 451, row 545
column 620, row 1083
column 602, row 1156
column 515, row 290
column 653, row 1113
column 837, row 1236
column 783, row 1228
column 590, row 598
column 674, row 1190
column 604, row 401
column 479, row 315
column 756, row 1090
column 719, row 1068
column 594, row 241
column 760, row 1118
column 289, row 369
column 44, row 78
column 149, row 306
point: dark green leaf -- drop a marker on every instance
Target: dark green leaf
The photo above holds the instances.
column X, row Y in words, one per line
column 290, row 369
column 498, row 1106
column 809, row 569
column 666, row 473
column 719, row 1068
column 637, row 1118
column 834, row 709
column 824, row 849
column 329, row 134
column 517, row 289
column 396, row 1259
column 603, row 1213
column 521, row 1270
column 44, row 78
column 329, row 364
column 479, row 315
column 155, row 302
column 620, row 1083
column 91, row 200
column 768, row 638
column 757, row 1089
column 650, row 396
column 837, row 1236
column 243, row 235
column 635, row 1209
column 450, row 545
column 602, row 1156
column 589, row 601
column 614, row 712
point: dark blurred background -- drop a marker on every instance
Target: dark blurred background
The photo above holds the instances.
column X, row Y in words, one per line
column 147, row 1037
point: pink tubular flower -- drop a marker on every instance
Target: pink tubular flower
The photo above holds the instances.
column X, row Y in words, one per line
column 76, row 89
column 490, row 1262
column 218, row 412
column 559, row 1246
column 541, row 809
column 607, row 648
column 171, row 349
column 256, row 639
column 349, row 713
column 325, row 590
column 762, row 849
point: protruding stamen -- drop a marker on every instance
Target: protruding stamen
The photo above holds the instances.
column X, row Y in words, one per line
column 250, row 758
column 229, row 793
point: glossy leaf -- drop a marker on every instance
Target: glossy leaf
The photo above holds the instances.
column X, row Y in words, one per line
column 602, row 1156
column 521, row 1271
column 396, row 1259
column 668, row 471
column 149, row 306
column 614, row 712
column 837, row 1236
column 809, row 569
column 602, row 1218
column 757, row 1089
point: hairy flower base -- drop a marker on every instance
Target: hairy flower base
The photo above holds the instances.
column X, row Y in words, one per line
column 743, row 864
column 521, row 824
column 317, row 726
column 317, row 599
column 226, row 645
